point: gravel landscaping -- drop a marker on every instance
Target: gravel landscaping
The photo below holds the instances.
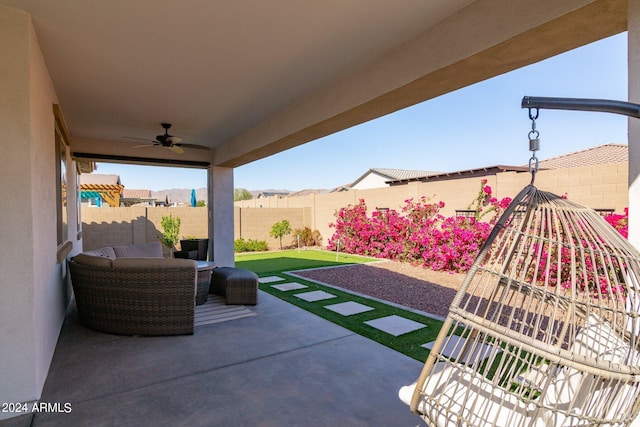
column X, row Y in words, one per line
column 401, row 283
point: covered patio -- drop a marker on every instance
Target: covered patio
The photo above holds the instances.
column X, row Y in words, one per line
column 86, row 81
column 282, row 367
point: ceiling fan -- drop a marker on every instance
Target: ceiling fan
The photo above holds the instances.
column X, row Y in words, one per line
column 171, row 142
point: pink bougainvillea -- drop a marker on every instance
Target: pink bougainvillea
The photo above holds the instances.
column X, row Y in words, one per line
column 620, row 222
column 418, row 234
column 484, row 203
column 553, row 263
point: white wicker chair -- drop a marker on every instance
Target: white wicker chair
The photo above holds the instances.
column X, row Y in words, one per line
column 544, row 329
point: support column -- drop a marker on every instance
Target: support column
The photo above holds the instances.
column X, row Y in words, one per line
column 221, row 216
column 634, row 124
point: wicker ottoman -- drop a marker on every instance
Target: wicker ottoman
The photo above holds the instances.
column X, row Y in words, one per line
column 236, row 285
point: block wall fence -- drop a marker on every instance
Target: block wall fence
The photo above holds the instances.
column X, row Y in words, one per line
column 107, row 226
column 598, row 187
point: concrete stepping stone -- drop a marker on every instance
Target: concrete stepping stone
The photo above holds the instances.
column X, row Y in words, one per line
column 315, row 296
column 289, row 286
column 348, row 308
column 395, row 325
column 270, row 279
column 455, row 346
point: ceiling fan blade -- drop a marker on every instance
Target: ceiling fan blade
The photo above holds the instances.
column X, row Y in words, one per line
column 139, row 139
column 167, row 141
column 194, row 146
column 143, row 145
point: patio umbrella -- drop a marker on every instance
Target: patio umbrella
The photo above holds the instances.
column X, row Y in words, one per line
column 193, row 198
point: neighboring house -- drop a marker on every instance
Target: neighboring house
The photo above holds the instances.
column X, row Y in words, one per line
column 594, row 177
column 264, row 194
column 137, row 198
column 379, row 177
column 599, row 155
column 96, row 189
column 341, row 188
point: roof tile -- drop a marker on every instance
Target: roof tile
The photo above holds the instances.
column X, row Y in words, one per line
column 136, row 194
column 397, row 174
column 600, row 155
column 96, row 178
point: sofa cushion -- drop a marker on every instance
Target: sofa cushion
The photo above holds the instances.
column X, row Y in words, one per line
column 92, row 260
column 103, row 252
column 154, row 263
column 143, row 250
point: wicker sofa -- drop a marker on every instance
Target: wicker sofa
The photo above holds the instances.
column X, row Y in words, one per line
column 133, row 290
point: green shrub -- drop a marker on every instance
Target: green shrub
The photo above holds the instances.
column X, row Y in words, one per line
column 307, row 237
column 251, row 245
column 171, row 230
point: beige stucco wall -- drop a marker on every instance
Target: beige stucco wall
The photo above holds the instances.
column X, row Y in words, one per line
column 32, row 283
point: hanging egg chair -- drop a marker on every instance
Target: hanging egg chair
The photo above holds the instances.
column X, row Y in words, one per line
column 545, row 328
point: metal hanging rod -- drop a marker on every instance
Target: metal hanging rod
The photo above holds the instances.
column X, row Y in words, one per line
column 581, row 104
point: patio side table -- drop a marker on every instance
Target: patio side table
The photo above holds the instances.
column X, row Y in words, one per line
column 204, row 281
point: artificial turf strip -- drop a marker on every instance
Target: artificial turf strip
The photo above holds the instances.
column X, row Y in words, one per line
column 409, row 344
column 280, row 261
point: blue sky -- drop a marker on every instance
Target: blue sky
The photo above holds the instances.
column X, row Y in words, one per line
column 480, row 125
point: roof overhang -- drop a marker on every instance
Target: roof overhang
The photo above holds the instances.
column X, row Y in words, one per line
column 249, row 80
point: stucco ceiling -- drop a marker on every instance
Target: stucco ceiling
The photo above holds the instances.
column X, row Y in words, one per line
column 219, row 70
column 211, row 68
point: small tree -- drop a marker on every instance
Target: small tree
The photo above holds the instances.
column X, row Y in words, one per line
column 241, row 194
column 171, row 231
column 280, row 229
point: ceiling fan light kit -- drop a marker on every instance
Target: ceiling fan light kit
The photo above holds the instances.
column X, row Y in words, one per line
column 166, row 140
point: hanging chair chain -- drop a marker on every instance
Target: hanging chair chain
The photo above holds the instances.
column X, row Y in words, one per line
column 534, row 141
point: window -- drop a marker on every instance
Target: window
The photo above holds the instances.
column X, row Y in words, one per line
column 465, row 213
column 605, row 211
column 61, row 189
column 62, row 215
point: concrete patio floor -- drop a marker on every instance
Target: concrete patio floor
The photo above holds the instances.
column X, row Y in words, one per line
column 283, row 367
